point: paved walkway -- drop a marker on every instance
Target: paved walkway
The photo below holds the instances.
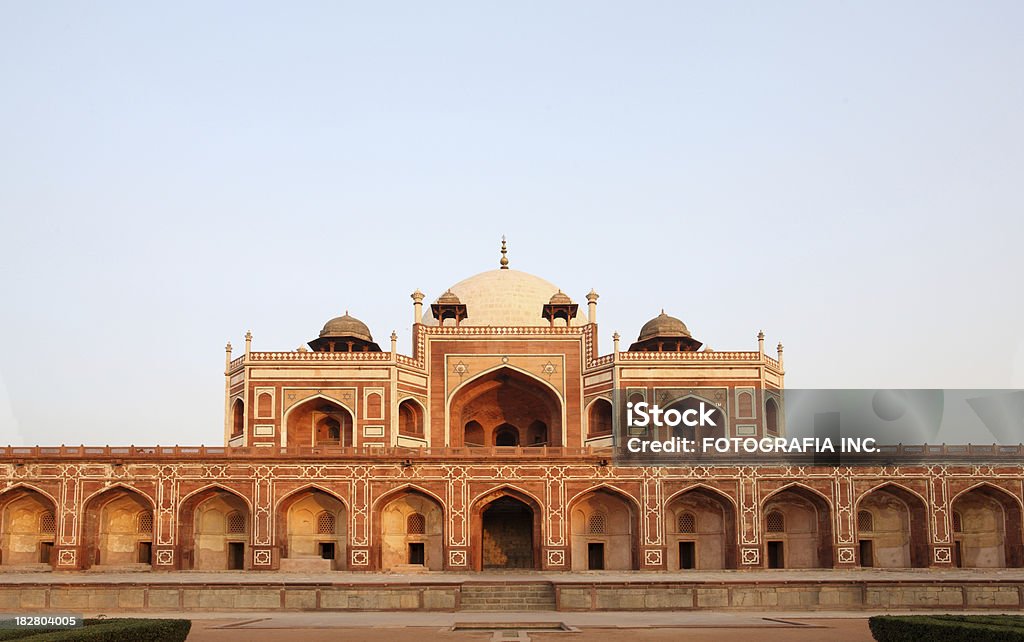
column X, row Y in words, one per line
column 345, row 577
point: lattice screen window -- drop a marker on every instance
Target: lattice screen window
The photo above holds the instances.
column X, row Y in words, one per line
column 865, row 521
column 236, row 523
column 775, row 522
column 958, row 522
column 416, row 524
column 325, row 523
column 596, row 524
column 687, row 522
column 47, row 522
column 145, row 522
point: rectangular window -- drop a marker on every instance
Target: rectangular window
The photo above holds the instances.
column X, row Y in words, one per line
column 687, row 555
column 595, row 556
column 145, row 552
column 327, row 550
column 45, row 549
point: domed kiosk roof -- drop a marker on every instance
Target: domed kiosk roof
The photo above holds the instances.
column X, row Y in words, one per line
column 503, row 297
column 346, row 326
column 663, row 326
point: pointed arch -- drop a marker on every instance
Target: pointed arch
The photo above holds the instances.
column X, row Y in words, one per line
column 988, row 539
column 296, row 527
column 394, row 544
column 214, row 486
column 319, row 395
column 712, row 544
column 807, row 541
column 207, row 543
column 519, row 506
column 991, row 486
column 116, row 486
column 27, row 486
column 310, row 486
column 898, row 536
column 615, row 545
column 800, row 485
column 556, row 399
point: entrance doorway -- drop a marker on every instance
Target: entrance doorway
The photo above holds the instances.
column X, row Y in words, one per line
column 776, row 555
column 867, row 556
column 45, row 549
column 595, row 556
column 416, row 553
column 507, row 534
column 236, row 556
column 327, row 550
column 145, row 552
column 687, row 555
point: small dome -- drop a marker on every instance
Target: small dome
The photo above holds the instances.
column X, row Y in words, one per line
column 663, row 326
column 346, row 326
column 560, row 298
column 449, row 298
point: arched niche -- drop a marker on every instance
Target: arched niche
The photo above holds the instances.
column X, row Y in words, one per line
column 118, row 530
column 27, row 529
column 892, row 530
column 603, row 528
column 990, row 529
column 312, row 531
column 411, row 532
column 700, row 527
column 319, row 422
column 805, row 539
column 508, row 404
column 214, row 528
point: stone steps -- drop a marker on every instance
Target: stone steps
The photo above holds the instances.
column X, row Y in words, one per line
column 508, row 597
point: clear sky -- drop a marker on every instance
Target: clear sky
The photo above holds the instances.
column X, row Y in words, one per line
column 846, row 175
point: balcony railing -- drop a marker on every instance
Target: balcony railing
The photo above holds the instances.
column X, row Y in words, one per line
column 939, row 453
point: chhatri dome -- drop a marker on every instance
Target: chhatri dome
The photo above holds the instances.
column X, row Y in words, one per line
column 503, row 297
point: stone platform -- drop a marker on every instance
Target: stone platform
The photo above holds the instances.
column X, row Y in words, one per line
column 812, row 590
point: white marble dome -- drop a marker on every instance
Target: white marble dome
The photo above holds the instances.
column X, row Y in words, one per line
column 504, row 298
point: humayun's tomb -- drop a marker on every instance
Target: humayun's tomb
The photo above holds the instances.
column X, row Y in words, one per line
column 489, row 447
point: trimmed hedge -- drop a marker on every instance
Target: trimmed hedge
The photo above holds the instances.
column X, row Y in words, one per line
column 112, row 630
column 947, row 628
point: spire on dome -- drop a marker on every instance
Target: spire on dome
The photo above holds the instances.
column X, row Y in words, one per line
column 504, row 251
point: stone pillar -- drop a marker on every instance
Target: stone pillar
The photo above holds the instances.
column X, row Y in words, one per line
column 592, row 306
column 779, row 348
column 760, row 342
column 417, row 307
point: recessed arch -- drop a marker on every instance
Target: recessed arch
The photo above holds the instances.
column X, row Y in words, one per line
column 506, row 528
column 110, row 533
column 397, row 546
column 308, row 487
column 711, row 543
column 689, row 400
column 894, row 531
column 412, row 418
column 27, row 527
column 599, row 416
column 991, row 527
column 612, row 546
column 806, row 541
column 305, row 425
column 311, row 530
column 206, row 528
column 519, row 406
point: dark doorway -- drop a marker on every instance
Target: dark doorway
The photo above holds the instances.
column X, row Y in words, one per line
column 867, row 557
column 687, row 555
column 45, row 550
column 507, row 534
column 506, row 435
column 595, row 556
column 236, row 556
column 776, row 555
column 327, row 550
column 958, row 559
column 416, row 553
column 145, row 552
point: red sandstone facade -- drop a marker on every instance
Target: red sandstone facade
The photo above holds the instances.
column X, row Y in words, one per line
column 489, row 447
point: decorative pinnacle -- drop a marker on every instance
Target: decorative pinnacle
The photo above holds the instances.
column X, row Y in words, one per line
column 760, row 335
column 504, row 251
column 779, row 347
column 592, row 296
column 417, row 296
column 227, row 348
column 394, row 336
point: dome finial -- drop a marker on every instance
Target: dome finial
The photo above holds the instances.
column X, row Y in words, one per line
column 504, row 251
